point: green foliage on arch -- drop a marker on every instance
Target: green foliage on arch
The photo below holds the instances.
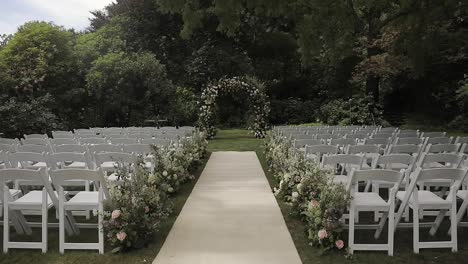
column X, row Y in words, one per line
column 258, row 101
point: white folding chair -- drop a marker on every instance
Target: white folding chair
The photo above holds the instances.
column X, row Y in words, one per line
column 410, row 141
column 371, row 201
column 74, row 148
column 301, row 143
column 28, row 160
column 82, row 201
column 419, row 200
column 33, row 200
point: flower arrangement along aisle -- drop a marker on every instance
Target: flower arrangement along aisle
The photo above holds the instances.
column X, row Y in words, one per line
column 139, row 203
column 309, row 191
column 135, row 210
column 258, row 101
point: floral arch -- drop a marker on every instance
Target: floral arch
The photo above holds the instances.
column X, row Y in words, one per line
column 258, row 103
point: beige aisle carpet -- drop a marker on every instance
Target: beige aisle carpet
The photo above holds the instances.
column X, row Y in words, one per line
column 231, row 217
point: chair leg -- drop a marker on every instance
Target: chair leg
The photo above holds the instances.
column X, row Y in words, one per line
column 391, row 227
column 61, row 228
column 416, row 230
column 454, row 227
column 101, row 229
column 87, row 190
column 44, row 221
column 6, row 227
column 351, row 229
column 375, row 189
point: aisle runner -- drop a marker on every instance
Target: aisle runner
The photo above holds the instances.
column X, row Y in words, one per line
column 231, row 217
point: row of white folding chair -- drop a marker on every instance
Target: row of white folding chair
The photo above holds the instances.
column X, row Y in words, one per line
column 412, row 197
column 43, row 200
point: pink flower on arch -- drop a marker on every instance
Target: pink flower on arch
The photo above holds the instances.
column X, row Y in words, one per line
column 121, row 235
column 339, row 244
column 322, row 234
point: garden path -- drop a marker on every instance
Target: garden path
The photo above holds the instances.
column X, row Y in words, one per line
column 231, row 217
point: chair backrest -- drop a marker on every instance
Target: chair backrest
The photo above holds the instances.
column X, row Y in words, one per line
column 157, row 142
column 63, row 141
column 382, row 135
column 4, row 161
column 450, row 160
column 172, row 137
column 332, row 161
column 390, row 176
column 460, row 140
column 357, row 136
column 407, row 135
column 124, row 140
column 34, row 148
column 300, row 143
column 434, row 134
column 9, row 141
column 141, row 149
column 439, row 140
column 377, row 141
column 343, row 141
column 364, row 149
column 113, row 135
column 27, row 177
column 119, row 157
column 41, row 136
column 26, row 159
column 409, row 140
column 457, row 176
column 93, row 141
column 8, row 148
column 322, row 149
column 388, row 161
column 35, row 141
column 60, row 160
column 71, row 148
column 62, row 177
column 407, row 148
column 301, row 136
column 443, row 148
column 104, row 148
column 91, row 135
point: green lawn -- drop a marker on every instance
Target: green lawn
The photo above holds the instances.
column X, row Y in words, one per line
column 240, row 140
column 145, row 255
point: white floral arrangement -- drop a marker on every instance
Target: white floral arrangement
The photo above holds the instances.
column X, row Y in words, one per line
column 309, row 190
column 139, row 203
column 258, row 101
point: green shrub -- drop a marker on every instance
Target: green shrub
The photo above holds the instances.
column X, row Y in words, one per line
column 28, row 116
column 358, row 110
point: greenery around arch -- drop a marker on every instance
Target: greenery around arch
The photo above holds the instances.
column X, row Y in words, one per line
column 258, row 102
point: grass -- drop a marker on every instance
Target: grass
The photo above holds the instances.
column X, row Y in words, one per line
column 239, row 140
column 145, row 255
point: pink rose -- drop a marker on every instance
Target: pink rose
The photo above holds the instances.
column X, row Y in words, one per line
column 121, row 235
column 116, row 214
column 322, row 234
column 339, row 244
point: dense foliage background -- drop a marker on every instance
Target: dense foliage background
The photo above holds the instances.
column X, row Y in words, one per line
column 335, row 61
